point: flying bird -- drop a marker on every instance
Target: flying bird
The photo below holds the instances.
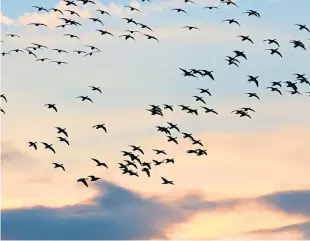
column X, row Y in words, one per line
column 102, row 12
column 33, row 144
column 52, row 106
column 83, row 180
column 253, row 13
column 179, row 10
column 95, row 88
column 100, row 126
column 62, row 131
column 191, row 27
column 59, row 166
column 48, row 146
column 274, row 89
column 253, row 95
column 231, row 21
column 303, row 27
column 275, row 51
column 40, row 9
column 4, row 97
column 165, row 181
column 151, row 37
column 93, row 178
column 245, row 38
column 85, row 98
column 62, row 139
column 99, row 163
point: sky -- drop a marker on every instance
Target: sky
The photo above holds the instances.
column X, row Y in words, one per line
column 254, row 183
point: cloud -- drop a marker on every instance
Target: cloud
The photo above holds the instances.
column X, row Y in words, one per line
column 5, row 20
column 116, row 214
column 291, row 202
column 299, row 230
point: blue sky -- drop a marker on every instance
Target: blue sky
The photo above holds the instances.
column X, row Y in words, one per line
column 261, row 164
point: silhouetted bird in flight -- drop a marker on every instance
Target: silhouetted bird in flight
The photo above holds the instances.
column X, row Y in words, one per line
column 272, row 41
column 104, row 32
column 276, row 83
column 191, row 27
column 253, row 13
column 137, row 148
column 151, row 37
column 59, row 166
column 69, row 2
column 210, row 7
column 229, row 2
column 2, row 110
column 86, row 1
column 188, row 73
column 127, row 36
column 303, row 27
column 202, row 91
column 96, row 20
column 170, row 107
column 253, row 95
column 60, row 51
column 143, row 26
column 73, row 13
column 83, row 180
column 157, row 163
column 275, row 51
column 100, row 126
column 172, row 139
column 99, row 163
column 159, row 151
column 85, row 98
column 56, row 10
column 3, row 97
column 198, row 98
column 71, row 36
column 52, row 106
column 253, row 79
column 173, row 126
column 38, row 24
column 208, row 110
column 48, row 146
column 31, row 53
column 298, row 43
column 245, row 38
column 93, row 178
column 179, row 10
column 240, row 54
column 40, row 9
column 147, row 171
column 132, row 8
column 12, row 35
column 59, row 62
column 33, row 144
column 130, row 20
column 102, row 12
column 43, row 59
column 274, row 89
column 231, row 21
column 62, row 139
column 165, row 181
column 95, row 88
column 62, row 131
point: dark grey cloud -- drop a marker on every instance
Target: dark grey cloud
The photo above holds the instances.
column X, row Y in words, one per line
column 291, row 202
column 118, row 214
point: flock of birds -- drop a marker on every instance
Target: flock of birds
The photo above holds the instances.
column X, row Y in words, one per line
column 135, row 163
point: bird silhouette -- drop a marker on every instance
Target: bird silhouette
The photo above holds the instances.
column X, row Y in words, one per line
column 83, row 180
column 99, row 163
column 48, row 146
column 100, row 126
column 59, row 166
column 165, row 181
